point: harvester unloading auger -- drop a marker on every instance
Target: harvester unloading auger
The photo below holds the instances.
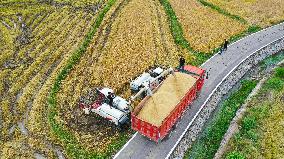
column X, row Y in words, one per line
column 165, row 94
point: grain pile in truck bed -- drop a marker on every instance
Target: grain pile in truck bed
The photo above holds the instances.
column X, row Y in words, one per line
column 159, row 106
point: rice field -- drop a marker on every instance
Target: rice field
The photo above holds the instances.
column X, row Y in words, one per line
column 54, row 52
column 257, row 12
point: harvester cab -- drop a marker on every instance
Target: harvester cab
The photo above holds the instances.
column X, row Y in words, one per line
column 118, row 114
column 137, row 84
column 147, row 79
column 146, row 85
column 118, row 102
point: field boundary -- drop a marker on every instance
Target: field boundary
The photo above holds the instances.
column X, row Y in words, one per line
column 211, row 102
column 223, row 11
column 68, row 140
column 181, row 41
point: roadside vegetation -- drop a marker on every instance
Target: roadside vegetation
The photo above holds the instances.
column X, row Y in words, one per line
column 261, row 130
column 209, row 141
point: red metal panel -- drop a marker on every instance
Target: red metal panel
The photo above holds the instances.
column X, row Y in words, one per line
column 144, row 128
column 194, row 69
column 158, row 133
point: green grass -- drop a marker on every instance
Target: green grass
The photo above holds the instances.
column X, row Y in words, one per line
column 71, row 145
column 209, row 141
column 222, row 11
column 272, row 60
column 279, row 72
column 247, row 142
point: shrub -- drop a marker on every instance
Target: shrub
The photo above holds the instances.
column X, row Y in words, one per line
column 248, row 123
column 274, row 83
column 235, row 155
column 279, row 72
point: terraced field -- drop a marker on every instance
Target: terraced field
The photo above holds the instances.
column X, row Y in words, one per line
column 204, row 28
column 261, row 12
column 53, row 52
column 260, row 129
column 114, row 48
column 36, row 46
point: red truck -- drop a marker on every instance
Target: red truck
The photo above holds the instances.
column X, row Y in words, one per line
column 147, row 123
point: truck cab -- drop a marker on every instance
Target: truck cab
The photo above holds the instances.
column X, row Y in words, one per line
column 197, row 73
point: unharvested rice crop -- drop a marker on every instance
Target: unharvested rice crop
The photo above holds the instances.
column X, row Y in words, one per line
column 115, row 56
column 37, row 39
column 204, row 28
column 256, row 12
column 160, row 105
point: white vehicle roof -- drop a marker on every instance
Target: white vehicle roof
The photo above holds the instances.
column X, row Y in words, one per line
column 158, row 70
column 105, row 91
column 111, row 111
column 119, row 99
column 146, row 82
column 138, row 81
column 120, row 102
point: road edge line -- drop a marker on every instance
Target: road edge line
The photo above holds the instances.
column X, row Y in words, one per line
column 118, row 153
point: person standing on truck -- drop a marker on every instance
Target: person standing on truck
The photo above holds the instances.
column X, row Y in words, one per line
column 110, row 98
column 181, row 63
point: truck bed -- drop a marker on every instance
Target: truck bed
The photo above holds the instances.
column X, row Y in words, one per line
column 165, row 99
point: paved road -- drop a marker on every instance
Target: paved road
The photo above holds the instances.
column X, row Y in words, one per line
column 219, row 66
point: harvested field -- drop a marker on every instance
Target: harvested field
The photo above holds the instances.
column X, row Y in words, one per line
column 37, row 44
column 159, row 106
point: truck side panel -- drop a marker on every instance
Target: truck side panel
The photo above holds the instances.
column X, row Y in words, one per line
column 177, row 112
column 158, row 133
column 145, row 128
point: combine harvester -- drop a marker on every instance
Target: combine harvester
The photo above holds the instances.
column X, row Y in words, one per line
column 165, row 94
column 118, row 113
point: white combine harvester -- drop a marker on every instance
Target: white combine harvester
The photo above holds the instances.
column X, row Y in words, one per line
column 119, row 114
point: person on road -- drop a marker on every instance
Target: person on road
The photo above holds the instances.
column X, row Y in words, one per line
column 181, row 63
column 224, row 47
column 110, row 98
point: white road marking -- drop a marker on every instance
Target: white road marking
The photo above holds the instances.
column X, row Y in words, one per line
column 117, row 154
